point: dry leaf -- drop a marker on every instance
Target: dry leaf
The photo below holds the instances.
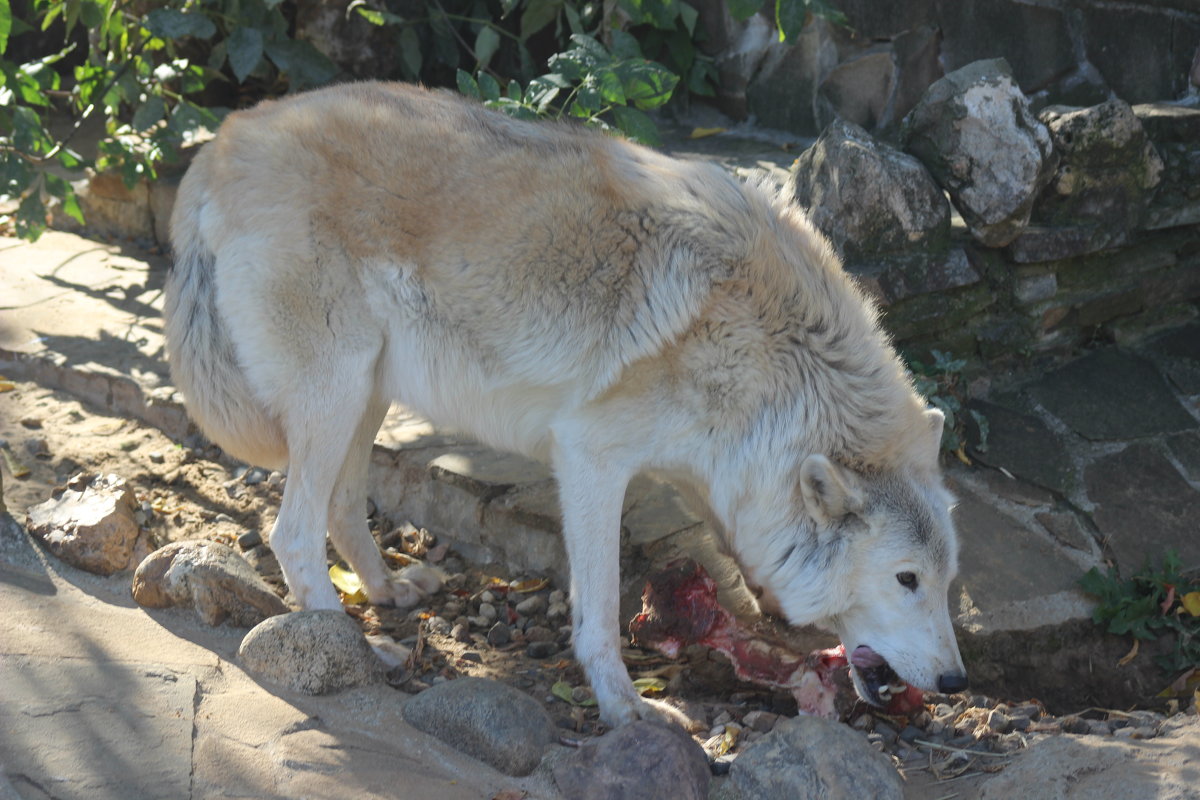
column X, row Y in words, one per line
column 530, row 585
column 1130, row 656
column 1191, row 602
column 512, row 794
column 1183, row 685
column 962, row 455
column 647, row 686
column 1170, row 601
column 700, row 133
column 7, row 386
column 348, row 583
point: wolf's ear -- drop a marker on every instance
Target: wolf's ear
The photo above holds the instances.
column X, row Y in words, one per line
column 829, row 490
column 931, row 439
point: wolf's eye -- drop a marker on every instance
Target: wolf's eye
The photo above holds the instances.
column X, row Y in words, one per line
column 907, row 579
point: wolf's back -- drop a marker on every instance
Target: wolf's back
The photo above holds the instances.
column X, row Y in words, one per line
column 203, row 358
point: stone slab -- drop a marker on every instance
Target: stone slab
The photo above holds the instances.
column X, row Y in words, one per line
column 1180, row 353
column 78, row 728
column 1185, row 449
column 1143, row 506
column 1112, row 395
column 1026, row 447
column 1002, row 562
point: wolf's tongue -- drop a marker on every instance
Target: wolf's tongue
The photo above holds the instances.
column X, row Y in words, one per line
column 864, row 657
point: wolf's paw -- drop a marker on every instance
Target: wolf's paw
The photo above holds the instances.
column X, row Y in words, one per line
column 408, row 587
column 626, row 709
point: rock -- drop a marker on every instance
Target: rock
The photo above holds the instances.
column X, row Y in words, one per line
column 249, row 540
column 1074, row 768
column 861, row 89
column 89, row 523
column 254, row 476
column 486, row 720
column 531, row 606
column 640, row 761
column 499, row 635
column 540, row 650
column 783, row 94
column 867, row 196
column 975, row 132
column 1106, row 175
column 210, row 577
column 811, row 757
column 313, row 652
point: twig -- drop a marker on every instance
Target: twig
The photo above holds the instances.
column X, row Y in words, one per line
column 949, row 749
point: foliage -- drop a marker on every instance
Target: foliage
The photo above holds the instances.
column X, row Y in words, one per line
column 1151, row 604
column 940, row 383
column 159, row 78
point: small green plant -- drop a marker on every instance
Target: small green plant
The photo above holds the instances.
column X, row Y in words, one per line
column 589, row 82
column 1151, row 604
column 940, row 382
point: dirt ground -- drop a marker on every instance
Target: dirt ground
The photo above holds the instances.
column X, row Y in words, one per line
column 187, row 493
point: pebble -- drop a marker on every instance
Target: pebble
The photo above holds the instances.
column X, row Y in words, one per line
column 540, row 650
column 276, row 478
column 1135, row 733
column 998, row 721
column 31, row 422
column 499, row 635
column 487, row 597
column 452, row 609
column 487, row 610
column 557, row 611
column 249, row 540
column 37, row 447
column 885, row 732
column 254, row 475
column 438, row 625
column 156, row 457
column 539, row 633
column 557, row 596
column 760, row 721
column 460, row 633
column 531, row 606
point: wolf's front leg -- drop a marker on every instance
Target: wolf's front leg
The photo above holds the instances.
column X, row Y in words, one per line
column 592, row 491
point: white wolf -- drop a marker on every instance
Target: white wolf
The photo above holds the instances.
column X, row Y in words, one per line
column 571, row 296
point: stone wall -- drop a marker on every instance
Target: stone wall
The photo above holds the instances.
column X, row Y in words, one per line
column 873, row 71
column 993, row 231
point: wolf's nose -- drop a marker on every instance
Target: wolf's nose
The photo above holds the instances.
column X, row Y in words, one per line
column 951, row 683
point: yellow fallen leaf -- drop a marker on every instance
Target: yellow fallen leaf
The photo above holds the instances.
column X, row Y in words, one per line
column 1191, row 602
column 647, row 686
column 1130, row 656
column 530, row 585
column 563, row 691
column 700, row 133
column 348, row 583
column 962, row 455
column 7, row 386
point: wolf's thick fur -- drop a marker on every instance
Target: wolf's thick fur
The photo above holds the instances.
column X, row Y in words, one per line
column 574, row 297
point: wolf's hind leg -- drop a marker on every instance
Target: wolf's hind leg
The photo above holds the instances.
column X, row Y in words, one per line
column 322, row 417
column 350, row 534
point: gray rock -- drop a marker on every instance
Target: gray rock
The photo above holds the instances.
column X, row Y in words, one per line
column 1074, row 768
column 860, row 90
column 89, row 523
column 811, row 757
column 783, row 94
column 486, row 720
column 1106, row 175
column 640, row 761
column 541, row 650
column 975, row 132
column 531, row 606
column 313, row 652
column 499, row 635
column 210, row 577
column 866, row 196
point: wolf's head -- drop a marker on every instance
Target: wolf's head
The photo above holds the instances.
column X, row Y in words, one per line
column 870, row 554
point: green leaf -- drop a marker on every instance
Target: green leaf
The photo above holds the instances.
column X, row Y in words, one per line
column 488, row 87
column 486, row 45
column 64, row 192
column 6, row 20
column 625, row 46
column 31, row 216
column 149, row 113
column 647, row 84
column 742, row 10
column 304, row 64
column 538, row 14
column 245, row 49
column 467, row 85
column 659, row 13
column 636, row 125
column 171, row 23
column 790, row 16
column 410, row 52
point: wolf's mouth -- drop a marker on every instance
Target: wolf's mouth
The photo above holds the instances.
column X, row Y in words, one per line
column 876, row 681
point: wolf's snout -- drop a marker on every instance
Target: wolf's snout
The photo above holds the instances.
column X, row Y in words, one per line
column 951, row 682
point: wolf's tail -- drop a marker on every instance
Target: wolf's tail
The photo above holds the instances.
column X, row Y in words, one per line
column 204, row 361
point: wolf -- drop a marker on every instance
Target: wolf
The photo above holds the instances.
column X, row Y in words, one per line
column 572, row 296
